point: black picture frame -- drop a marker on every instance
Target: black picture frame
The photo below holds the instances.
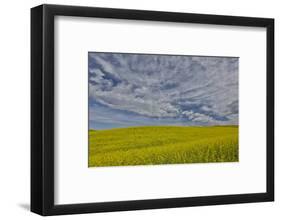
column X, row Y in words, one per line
column 42, row 109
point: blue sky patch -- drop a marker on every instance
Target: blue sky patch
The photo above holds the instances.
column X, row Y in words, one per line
column 141, row 89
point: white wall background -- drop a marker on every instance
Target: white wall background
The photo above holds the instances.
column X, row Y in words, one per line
column 15, row 108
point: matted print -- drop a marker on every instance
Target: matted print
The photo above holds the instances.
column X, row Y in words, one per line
column 151, row 109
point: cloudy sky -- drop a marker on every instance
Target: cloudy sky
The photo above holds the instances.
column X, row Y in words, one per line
column 140, row 89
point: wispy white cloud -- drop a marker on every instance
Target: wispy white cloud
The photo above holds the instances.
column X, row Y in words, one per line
column 196, row 89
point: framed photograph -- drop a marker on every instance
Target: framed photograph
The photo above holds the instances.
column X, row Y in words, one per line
column 136, row 109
